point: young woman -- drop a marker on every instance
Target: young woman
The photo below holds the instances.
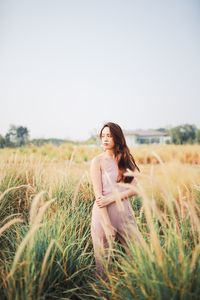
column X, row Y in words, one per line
column 111, row 217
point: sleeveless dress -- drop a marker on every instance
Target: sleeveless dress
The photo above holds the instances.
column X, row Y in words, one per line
column 120, row 213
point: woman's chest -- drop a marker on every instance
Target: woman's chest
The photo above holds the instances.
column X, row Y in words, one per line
column 109, row 168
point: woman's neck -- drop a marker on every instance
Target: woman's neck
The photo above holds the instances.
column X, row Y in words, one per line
column 110, row 153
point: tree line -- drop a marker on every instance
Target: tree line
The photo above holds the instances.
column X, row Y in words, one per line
column 18, row 136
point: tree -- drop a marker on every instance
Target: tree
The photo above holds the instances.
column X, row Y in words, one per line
column 197, row 136
column 2, row 141
column 16, row 136
column 183, row 134
column 11, row 136
column 22, row 135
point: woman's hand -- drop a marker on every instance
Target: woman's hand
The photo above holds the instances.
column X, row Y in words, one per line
column 104, row 201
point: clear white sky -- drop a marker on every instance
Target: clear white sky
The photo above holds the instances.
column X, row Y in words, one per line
column 66, row 67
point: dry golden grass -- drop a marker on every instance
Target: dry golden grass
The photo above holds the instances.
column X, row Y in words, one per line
column 187, row 154
column 163, row 168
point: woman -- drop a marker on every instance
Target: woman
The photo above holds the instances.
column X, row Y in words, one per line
column 111, row 217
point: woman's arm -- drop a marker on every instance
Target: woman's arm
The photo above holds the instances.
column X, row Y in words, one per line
column 95, row 173
column 131, row 191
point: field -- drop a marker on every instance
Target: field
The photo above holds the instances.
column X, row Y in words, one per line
column 46, row 250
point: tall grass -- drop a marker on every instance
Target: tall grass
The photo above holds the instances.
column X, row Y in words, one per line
column 187, row 154
column 45, row 245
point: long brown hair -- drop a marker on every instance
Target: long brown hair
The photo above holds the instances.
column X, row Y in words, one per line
column 121, row 151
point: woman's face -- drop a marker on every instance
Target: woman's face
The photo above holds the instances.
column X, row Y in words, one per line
column 107, row 139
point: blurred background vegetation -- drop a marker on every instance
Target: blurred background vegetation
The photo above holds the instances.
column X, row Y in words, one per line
column 18, row 136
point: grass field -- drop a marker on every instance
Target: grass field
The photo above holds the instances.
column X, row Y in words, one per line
column 46, row 250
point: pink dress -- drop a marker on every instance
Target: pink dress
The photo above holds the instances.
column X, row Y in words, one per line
column 120, row 212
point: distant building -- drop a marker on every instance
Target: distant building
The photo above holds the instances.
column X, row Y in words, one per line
column 136, row 137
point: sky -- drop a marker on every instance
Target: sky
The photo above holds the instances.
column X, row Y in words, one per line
column 67, row 67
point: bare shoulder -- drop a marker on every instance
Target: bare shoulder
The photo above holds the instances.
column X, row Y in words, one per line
column 97, row 159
